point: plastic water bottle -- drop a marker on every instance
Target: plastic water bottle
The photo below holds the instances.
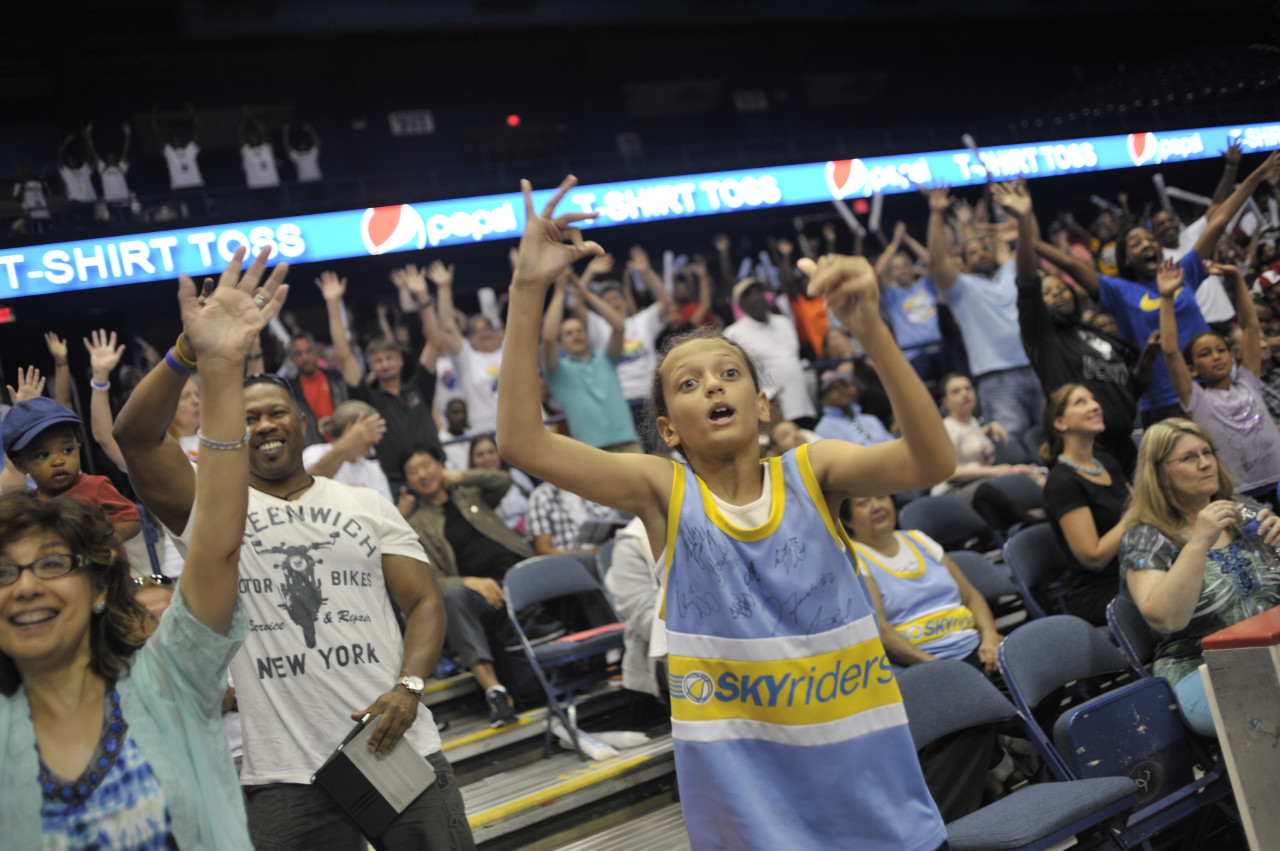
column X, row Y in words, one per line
column 1247, row 522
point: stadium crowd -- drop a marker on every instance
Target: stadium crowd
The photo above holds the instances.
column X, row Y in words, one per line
column 1122, row 369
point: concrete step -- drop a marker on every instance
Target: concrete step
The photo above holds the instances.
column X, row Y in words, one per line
column 661, row 829
column 501, row 804
column 439, row 692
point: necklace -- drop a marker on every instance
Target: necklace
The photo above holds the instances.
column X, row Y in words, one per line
column 311, row 480
column 1094, row 470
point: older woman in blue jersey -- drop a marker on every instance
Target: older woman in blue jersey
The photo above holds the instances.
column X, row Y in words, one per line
column 927, row 609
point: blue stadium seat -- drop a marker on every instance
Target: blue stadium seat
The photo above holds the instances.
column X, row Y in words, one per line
column 1034, row 817
column 1065, row 676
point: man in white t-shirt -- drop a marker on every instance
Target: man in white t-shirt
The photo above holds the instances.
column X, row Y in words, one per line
column 77, row 180
column 112, row 170
column 457, row 452
column 305, row 157
column 320, row 567
column 350, row 458
column 181, row 149
column 771, row 339
column 476, row 357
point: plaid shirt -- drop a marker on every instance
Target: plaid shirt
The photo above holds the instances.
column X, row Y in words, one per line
column 559, row 513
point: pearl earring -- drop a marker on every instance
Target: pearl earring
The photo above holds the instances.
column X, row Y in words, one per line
column 99, row 606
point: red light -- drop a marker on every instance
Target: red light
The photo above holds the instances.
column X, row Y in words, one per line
column 860, row 206
column 6, row 314
column 513, row 120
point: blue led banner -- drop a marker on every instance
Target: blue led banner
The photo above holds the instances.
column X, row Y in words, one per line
column 360, row 233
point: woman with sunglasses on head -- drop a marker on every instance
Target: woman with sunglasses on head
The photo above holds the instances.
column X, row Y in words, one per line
column 108, row 732
column 1184, row 560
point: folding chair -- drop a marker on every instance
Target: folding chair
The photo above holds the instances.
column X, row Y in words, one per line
column 1034, row 817
column 1039, row 568
column 948, row 521
column 1131, row 631
column 604, row 557
column 992, row 581
column 557, row 663
column 1109, row 723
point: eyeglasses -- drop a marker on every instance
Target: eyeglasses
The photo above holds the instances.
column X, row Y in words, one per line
column 1194, row 457
column 46, row 567
column 153, row 581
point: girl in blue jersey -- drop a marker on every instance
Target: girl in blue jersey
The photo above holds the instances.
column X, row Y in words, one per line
column 789, row 729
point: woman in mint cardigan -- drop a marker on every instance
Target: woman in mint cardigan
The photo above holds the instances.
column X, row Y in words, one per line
column 111, row 738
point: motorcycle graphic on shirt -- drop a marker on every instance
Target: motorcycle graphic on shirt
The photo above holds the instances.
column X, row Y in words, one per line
column 300, row 589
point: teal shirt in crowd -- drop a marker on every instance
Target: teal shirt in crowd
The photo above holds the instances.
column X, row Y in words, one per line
column 172, row 700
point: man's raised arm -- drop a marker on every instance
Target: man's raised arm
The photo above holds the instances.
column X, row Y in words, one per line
column 942, row 266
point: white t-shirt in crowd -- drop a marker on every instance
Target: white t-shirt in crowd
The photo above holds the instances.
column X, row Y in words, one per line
column 639, row 333
column 323, row 640
column 184, row 170
column 34, row 203
column 972, row 447
column 456, row 455
column 776, row 347
column 478, row 375
column 448, row 385
column 1215, row 302
column 259, row 164
column 114, row 186
column 360, row 473
column 307, row 164
column 79, row 183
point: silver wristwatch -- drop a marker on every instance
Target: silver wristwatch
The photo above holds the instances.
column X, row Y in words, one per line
column 412, row 683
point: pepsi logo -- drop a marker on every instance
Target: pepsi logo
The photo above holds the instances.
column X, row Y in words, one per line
column 385, row 229
column 1142, row 147
column 846, row 177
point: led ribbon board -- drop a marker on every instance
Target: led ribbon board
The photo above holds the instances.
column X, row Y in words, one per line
column 201, row 251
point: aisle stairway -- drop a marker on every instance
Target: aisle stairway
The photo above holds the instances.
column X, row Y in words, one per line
column 518, row 799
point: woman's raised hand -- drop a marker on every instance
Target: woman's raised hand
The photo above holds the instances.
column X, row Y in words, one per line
column 1212, row 520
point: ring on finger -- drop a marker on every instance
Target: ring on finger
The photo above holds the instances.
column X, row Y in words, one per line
column 260, row 300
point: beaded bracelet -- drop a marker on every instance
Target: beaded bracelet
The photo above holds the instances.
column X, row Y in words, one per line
column 223, row 444
column 173, row 363
column 177, row 352
column 106, row 385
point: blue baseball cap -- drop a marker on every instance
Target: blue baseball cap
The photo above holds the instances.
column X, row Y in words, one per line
column 27, row 419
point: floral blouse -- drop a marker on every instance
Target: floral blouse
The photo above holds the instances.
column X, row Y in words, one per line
column 1240, row 581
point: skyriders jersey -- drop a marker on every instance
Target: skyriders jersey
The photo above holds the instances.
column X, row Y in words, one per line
column 789, row 727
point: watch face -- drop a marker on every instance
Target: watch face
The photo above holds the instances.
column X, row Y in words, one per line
column 413, row 684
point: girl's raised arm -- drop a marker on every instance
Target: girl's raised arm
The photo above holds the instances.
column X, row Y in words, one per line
column 924, row 455
column 639, row 484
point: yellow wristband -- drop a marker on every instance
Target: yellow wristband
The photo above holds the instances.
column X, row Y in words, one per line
column 177, row 353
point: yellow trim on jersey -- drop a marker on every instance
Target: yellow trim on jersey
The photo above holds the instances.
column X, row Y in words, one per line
column 810, row 480
column 935, row 625
column 673, row 526
column 902, row 539
column 788, row 692
column 776, row 500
